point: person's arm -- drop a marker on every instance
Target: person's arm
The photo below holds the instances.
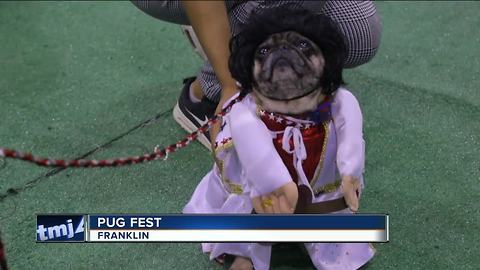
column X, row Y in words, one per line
column 211, row 25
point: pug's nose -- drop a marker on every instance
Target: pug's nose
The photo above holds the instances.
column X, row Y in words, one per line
column 282, row 62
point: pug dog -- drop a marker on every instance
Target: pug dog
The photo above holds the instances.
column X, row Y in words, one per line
column 294, row 143
column 292, row 71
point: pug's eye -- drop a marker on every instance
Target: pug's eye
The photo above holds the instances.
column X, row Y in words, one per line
column 263, row 50
column 303, row 45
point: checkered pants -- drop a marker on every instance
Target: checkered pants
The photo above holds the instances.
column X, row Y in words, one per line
column 358, row 20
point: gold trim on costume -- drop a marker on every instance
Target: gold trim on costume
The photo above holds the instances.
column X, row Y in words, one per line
column 229, row 185
column 234, row 188
column 316, row 175
column 327, row 188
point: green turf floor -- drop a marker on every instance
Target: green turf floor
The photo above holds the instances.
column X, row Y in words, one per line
column 80, row 78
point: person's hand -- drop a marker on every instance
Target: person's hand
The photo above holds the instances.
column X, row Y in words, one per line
column 226, row 95
column 281, row 201
column 351, row 190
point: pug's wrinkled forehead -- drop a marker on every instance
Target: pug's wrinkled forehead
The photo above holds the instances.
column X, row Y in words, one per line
column 287, row 66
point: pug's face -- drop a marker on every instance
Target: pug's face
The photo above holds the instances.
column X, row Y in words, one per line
column 287, row 67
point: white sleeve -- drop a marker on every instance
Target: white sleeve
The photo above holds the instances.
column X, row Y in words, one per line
column 348, row 121
column 261, row 163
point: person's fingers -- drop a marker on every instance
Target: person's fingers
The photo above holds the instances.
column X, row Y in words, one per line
column 257, row 205
column 215, row 129
column 353, row 204
column 284, row 205
column 275, row 204
column 350, row 187
column 350, row 195
column 290, row 191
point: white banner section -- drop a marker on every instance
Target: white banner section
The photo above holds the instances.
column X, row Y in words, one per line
column 241, row 235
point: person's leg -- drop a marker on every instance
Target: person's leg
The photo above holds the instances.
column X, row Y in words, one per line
column 360, row 24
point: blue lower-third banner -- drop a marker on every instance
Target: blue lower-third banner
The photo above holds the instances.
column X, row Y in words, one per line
column 211, row 228
column 238, row 228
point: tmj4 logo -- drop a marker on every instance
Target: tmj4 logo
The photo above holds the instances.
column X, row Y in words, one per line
column 61, row 230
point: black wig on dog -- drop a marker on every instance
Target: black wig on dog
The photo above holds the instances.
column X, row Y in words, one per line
column 317, row 27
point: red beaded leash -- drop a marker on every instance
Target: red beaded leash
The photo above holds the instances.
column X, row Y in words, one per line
column 156, row 154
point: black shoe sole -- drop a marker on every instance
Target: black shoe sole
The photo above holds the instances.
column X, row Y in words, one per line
column 190, row 127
